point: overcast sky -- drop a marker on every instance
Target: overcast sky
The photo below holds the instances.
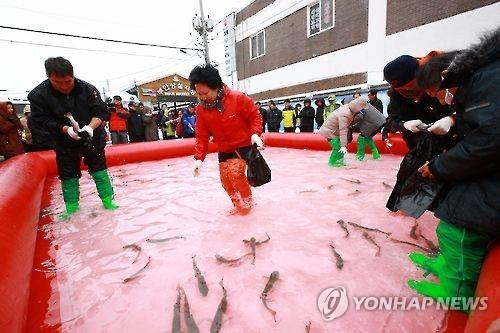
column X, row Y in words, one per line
column 165, row 22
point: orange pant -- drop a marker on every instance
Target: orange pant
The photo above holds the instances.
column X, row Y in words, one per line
column 235, row 182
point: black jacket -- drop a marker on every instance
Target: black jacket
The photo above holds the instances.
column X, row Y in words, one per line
column 319, row 115
column 472, row 167
column 135, row 127
column 377, row 103
column 48, row 108
column 306, row 116
column 42, row 139
column 274, row 117
column 401, row 109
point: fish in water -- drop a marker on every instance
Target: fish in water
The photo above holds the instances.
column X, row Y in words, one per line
column 161, row 240
column 202, row 284
column 330, row 187
column 254, row 243
column 176, row 322
column 188, row 317
column 430, row 244
column 308, row 191
column 371, row 240
column 223, row 260
column 217, row 322
column 414, row 231
column 353, row 180
column 387, row 186
column 308, row 327
column 343, row 225
column 339, row 262
column 368, row 229
column 356, row 192
column 269, row 285
column 412, row 244
column 136, row 274
column 136, row 248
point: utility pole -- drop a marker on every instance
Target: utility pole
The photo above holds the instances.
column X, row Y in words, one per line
column 203, row 27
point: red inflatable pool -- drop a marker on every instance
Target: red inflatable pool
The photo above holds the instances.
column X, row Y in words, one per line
column 24, row 194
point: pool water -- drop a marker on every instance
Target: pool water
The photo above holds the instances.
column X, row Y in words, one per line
column 299, row 210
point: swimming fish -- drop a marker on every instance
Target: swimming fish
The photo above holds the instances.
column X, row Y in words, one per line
column 217, row 322
column 387, row 186
column 414, row 230
column 330, row 187
column 269, row 285
column 353, row 180
column 339, row 262
column 342, row 224
column 368, row 229
column 308, row 327
column 371, row 240
column 188, row 317
column 412, row 244
column 136, row 274
column 136, row 248
column 308, row 191
column 254, row 243
column 176, row 322
column 161, row 240
column 356, row 192
column 430, row 244
column 223, row 260
column 202, row 284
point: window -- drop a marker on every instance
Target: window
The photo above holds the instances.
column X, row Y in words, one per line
column 258, row 45
column 321, row 16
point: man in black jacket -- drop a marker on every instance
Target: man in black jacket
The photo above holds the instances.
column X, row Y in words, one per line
column 72, row 111
column 306, row 117
column 274, row 117
column 135, row 125
column 377, row 103
column 470, row 211
column 409, row 109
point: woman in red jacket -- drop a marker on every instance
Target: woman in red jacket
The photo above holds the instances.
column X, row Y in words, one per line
column 235, row 123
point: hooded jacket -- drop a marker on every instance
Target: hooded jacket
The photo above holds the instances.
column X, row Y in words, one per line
column 230, row 127
column 320, row 111
column 472, row 166
column 11, row 143
column 337, row 123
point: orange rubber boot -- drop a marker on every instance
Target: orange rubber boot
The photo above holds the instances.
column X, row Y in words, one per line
column 237, row 168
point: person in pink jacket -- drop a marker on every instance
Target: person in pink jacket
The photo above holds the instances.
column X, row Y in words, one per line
column 336, row 127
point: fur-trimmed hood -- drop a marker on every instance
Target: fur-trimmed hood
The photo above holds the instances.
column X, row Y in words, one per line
column 466, row 62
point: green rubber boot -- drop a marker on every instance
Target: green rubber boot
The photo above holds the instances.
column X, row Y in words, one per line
column 373, row 147
column 71, row 195
column 463, row 252
column 336, row 157
column 105, row 189
column 431, row 265
column 360, row 155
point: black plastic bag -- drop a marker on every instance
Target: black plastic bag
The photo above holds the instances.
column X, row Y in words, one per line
column 258, row 172
column 413, row 194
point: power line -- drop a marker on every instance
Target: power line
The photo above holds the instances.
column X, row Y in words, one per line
column 89, row 50
column 99, row 39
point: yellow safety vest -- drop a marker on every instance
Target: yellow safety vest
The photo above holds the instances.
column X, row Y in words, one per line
column 288, row 116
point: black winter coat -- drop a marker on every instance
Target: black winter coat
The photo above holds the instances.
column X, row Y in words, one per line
column 135, row 127
column 49, row 106
column 401, row 109
column 306, row 116
column 472, row 167
column 274, row 118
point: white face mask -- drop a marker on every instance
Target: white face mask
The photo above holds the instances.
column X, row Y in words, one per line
column 448, row 98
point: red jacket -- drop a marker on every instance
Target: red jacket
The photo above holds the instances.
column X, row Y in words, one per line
column 231, row 128
column 117, row 120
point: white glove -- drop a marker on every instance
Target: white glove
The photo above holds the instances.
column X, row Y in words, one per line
column 87, row 129
column 411, row 125
column 343, row 150
column 388, row 143
column 442, row 126
column 71, row 132
column 197, row 167
column 297, row 130
column 258, row 141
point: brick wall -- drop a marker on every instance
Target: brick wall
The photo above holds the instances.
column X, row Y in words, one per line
column 252, row 9
column 407, row 14
column 330, row 83
column 287, row 41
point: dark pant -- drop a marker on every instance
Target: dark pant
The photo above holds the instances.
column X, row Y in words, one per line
column 119, row 137
column 273, row 128
column 69, row 160
column 289, row 129
column 242, row 151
